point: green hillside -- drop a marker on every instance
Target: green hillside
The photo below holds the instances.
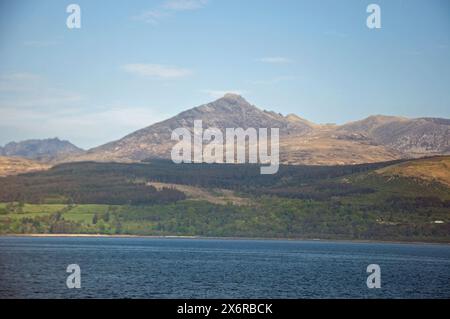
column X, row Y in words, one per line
column 364, row 202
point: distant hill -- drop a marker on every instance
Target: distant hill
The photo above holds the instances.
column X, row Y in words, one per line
column 14, row 166
column 375, row 139
column 412, row 137
column 41, row 150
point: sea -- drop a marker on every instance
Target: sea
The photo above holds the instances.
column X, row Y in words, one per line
column 191, row 268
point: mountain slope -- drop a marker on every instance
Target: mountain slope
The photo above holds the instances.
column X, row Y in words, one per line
column 413, row 137
column 40, row 150
column 375, row 139
column 436, row 169
column 14, row 166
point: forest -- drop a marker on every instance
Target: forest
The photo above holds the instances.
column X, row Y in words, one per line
column 327, row 202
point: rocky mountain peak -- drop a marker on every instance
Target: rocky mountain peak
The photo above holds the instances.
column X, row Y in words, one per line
column 234, row 98
column 229, row 102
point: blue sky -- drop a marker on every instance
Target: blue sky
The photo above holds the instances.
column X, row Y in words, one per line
column 133, row 63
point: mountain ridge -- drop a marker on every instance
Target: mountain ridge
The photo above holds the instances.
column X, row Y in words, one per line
column 375, row 138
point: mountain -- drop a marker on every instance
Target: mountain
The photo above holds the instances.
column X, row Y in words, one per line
column 375, row 139
column 15, row 165
column 413, row 137
column 41, row 150
column 231, row 111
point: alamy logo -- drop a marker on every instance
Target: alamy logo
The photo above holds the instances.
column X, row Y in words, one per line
column 374, row 19
column 190, row 147
column 73, row 21
column 74, row 279
column 374, row 279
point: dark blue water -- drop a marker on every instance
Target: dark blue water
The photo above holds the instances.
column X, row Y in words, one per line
column 188, row 268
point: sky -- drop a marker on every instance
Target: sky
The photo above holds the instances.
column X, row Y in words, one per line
column 134, row 63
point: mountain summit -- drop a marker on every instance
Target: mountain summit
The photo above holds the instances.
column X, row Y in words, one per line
column 377, row 138
column 234, row 98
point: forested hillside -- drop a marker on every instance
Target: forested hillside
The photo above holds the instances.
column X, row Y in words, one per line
column 369, row 201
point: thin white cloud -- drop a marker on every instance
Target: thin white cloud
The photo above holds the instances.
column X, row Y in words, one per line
column 17, row 82
column 275, row 60
column 157, row 70
column 167, row 9
column 48, row 99
column 20, row 76
column 276, row 80
column 24, row 90
column 31, row 107
column 216, row 94
column 184, row 5
column 151, row 16
column 85, row 129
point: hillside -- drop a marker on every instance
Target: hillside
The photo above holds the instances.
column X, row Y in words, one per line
column 369, row 201
column 427, row 170
column 14, row 166
column 413, row 137
column 375, row 139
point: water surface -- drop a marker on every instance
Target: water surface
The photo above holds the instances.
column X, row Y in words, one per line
column 206, row 268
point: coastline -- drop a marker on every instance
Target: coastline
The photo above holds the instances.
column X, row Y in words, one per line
column 356, row 241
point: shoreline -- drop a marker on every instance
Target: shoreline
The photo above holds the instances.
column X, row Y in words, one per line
column 360, row 241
